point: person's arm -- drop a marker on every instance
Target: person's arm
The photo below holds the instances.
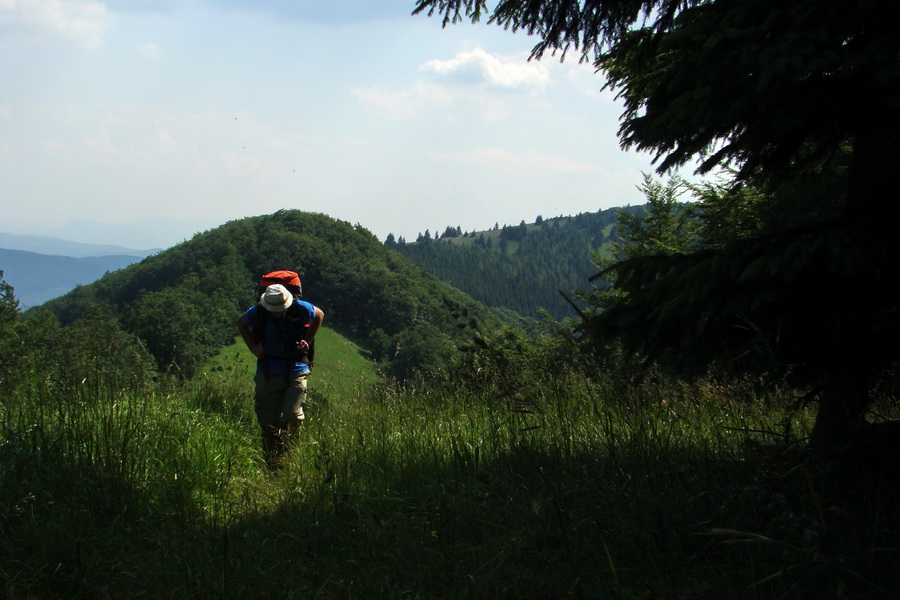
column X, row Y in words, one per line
column 255, row 347
column 314, row 326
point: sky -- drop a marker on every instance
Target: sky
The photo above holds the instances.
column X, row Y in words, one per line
column 142, row 122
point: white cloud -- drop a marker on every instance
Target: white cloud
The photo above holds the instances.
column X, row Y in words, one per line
column 146, row 6
column 405, row 103
column 149, row 50
column 452, row 104
column 479, row 67
column 473, row 82
column 78, row 19
column 492, row 158
column 316, row 11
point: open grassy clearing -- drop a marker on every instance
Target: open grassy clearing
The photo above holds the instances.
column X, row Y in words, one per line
column 560, row 486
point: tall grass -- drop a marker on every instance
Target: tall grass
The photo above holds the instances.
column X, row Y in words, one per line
column 561, row 485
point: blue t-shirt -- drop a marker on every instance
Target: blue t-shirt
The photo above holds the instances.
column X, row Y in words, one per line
column 278, row 332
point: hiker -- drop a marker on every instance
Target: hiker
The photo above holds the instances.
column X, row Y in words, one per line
column 279, row 330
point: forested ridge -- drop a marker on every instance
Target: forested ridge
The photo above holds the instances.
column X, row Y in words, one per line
column 520, row 268
column 183, row 301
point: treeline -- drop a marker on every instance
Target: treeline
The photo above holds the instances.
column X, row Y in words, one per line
column 182, row 303
column 520, row 268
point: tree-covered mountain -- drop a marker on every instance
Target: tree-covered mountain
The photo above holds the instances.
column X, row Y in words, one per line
column 521, row 268
column 183, row 302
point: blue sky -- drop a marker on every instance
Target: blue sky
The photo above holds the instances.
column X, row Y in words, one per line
column 141, row 122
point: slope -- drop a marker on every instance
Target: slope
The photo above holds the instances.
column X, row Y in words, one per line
column 520, row 268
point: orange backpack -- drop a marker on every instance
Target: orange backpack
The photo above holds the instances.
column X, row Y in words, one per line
column 288, row 279
column 300, row 322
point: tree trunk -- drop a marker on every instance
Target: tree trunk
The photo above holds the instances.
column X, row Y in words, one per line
column 842, row 409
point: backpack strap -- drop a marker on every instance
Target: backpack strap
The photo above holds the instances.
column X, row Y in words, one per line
column 300, row 321
column 262, row 319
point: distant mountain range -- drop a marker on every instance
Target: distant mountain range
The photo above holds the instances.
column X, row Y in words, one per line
column 41, row 267
column 518, row 268
column 43, row 244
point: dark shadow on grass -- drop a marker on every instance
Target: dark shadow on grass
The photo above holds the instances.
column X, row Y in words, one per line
column 531, row 523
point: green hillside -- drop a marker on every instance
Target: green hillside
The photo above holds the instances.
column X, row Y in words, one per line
column 341, row 370
column 520, row 268
column 182, row 302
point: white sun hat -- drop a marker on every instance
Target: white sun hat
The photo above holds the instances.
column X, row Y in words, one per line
column 276, row 298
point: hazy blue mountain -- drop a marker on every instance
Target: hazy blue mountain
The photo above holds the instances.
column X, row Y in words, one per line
column 37, row 278
column 53, row 246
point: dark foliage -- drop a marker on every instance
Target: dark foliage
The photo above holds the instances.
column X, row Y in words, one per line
column 786, row 93
column 525, row 277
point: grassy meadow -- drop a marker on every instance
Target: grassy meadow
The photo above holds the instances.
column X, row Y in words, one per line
column 531, row 484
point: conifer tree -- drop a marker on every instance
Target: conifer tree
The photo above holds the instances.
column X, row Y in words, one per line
column 9, row 305
column 785, row 93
